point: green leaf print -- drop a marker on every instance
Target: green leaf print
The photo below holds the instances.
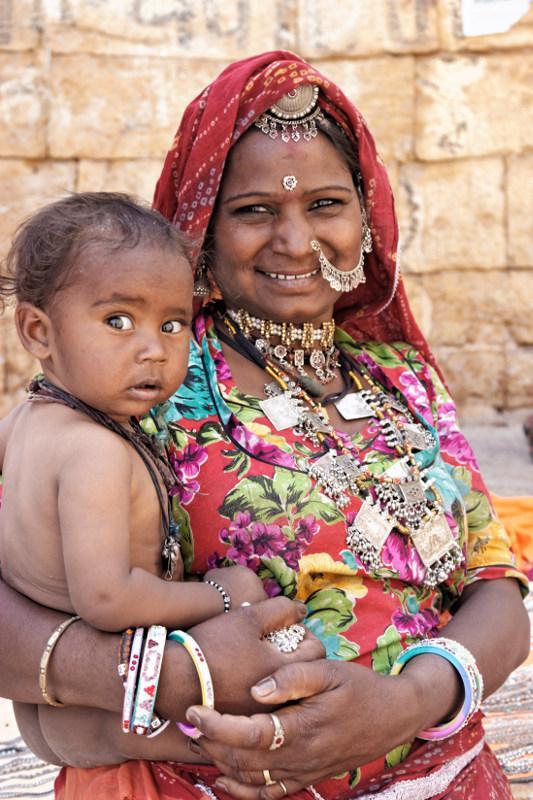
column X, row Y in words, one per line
column 346, row 650
column 256, row 496
column 277, row 568
column 355, row 777
column 463, row 476
column 210, row 432
column 387, row 650
column 239, row 461
column 333, row 608
column 397, row 755
column 179, row 437
column 478, row 511
column 181, row 517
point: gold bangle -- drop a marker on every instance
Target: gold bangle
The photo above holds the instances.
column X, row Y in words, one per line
column 45, row 659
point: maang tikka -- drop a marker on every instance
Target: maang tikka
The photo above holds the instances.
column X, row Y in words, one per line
column 345, row 280
column 293, row 116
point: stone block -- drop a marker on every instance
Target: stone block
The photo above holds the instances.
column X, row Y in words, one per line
column 452, row 215
column 19, row 24
column 366, row 27
column 474, row 105
column 520, row 210
column 22, row 106
column 25, row 187
column 452, row 37
column 110, row 108
column 17, row 365
column 137, row 178
column 519, row 385
column 468, row 307
column 474, row 374
column 421, row 304
column 520, row 308
column 383, row 90
column 224, row 29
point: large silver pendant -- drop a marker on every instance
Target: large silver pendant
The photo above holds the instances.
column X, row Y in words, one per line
column 367, row 534
column 283, row 411
column 353, row 406
column 336, row 475
column 415, row 435
column 438, row 550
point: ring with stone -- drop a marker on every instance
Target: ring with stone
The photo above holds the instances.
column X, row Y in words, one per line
column 268, row 778
column 279, row 734
column 287, row 639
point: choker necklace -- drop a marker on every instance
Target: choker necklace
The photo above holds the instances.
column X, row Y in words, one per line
column 401, row 499
column 323, row 360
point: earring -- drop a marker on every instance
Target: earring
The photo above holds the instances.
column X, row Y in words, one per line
column 201, row 282
column 366, row 235
column 339, row 279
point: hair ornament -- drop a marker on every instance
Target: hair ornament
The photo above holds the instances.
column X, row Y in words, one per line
column 293, row 116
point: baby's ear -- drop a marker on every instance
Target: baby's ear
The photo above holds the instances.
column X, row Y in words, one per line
column 34, row 329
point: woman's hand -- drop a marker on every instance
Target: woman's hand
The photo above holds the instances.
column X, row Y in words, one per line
column 347, row 715
column 238, row 657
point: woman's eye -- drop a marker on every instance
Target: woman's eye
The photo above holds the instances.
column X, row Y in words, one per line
column 172, row 326
column 120, row 322
column 253, row 209
column 325, row 202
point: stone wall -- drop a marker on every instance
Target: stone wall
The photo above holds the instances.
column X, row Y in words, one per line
column 91, row 92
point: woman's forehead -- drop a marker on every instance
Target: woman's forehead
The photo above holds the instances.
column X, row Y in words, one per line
column 257, row 158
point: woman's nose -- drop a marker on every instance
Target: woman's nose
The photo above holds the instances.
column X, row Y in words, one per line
column 292, row 235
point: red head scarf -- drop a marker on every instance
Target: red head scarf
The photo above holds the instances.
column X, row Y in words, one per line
column 187, row 188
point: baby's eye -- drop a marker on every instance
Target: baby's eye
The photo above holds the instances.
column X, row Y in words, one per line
column 120, row 322
column 172, row 326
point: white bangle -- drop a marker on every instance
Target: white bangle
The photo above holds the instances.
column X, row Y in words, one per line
column 206, row 682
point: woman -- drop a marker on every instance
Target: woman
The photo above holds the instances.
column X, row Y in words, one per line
column 332, row 467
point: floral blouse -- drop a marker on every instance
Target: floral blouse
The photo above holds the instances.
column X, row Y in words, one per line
column 242, row 499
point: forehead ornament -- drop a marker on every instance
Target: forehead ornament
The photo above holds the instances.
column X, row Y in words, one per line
column 289, row 182
column 293, row 116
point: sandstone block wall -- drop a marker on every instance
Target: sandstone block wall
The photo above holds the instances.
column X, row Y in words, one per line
column 91, row 92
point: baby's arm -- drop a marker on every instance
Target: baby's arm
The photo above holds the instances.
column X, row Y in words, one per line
column 94, row 503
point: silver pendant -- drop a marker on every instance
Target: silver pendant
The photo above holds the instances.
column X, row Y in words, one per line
column 353, row 406
column 417, row 437
column 335, row 475
column 433, row 540
column 412, row 491
column 282, row 411
column 367, row 534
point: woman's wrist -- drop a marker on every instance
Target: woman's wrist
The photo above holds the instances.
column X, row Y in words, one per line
column 435, row 690
column 179, row 686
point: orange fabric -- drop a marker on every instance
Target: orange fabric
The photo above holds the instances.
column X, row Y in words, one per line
column 516, row 513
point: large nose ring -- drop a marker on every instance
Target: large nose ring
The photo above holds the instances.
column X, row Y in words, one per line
column 339, row 279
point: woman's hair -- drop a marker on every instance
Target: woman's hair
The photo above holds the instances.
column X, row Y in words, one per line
column 346, row 149
column 47, row 245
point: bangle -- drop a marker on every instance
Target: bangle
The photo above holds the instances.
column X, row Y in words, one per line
column 206, row 682
column 130, row 683
column 150, row 670
column 226, row 599
column 465, row 664
column 45, row 659
column 124, row 652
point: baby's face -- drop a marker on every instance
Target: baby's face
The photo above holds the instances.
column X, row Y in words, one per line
column 121, row 329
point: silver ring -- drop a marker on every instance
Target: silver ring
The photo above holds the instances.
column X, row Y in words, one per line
column 285, row 790
column 268, row 778
column 287, row 639
column 278, row 737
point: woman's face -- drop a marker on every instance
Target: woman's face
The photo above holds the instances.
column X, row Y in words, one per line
column 262, row 259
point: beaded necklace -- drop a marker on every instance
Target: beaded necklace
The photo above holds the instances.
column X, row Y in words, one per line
column 399, row 499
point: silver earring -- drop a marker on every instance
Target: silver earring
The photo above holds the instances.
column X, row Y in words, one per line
column 366, row 235
column 201, row 283
column 339, row 279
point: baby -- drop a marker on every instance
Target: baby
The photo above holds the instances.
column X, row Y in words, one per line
column 104, row 302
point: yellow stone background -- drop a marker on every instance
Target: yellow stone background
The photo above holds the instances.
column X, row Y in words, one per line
column 91, row 92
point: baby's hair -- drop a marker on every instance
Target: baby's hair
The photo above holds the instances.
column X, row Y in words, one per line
column 48, row 244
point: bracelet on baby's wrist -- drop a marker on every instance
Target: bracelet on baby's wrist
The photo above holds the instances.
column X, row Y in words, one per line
column 226, row 599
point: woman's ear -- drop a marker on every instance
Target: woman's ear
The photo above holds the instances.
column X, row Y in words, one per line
column 34, row 329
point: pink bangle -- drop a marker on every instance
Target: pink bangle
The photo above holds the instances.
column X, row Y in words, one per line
column 148, row 680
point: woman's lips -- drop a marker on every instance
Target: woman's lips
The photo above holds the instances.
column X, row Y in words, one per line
column 284, row 276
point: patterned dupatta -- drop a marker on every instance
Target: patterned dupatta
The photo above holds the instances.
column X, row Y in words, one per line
column 213, row 122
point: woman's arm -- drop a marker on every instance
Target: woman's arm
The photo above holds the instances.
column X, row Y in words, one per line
column 362, row 715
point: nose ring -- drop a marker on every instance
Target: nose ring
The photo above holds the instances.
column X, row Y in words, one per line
column 339, row 279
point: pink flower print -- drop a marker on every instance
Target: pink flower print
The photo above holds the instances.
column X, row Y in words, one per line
column 419, row 624
column 221, row 366
column 258, row 447
column 307, row 528
column 415, row 392
column 186, row 491
column 187, row 462
column 242, row 549
column 271, row 587
column 404, row 560
column 455, row 445
column 268, row 540
column 293, row 552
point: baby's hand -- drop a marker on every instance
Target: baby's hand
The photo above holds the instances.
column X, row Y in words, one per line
column 241, row 583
